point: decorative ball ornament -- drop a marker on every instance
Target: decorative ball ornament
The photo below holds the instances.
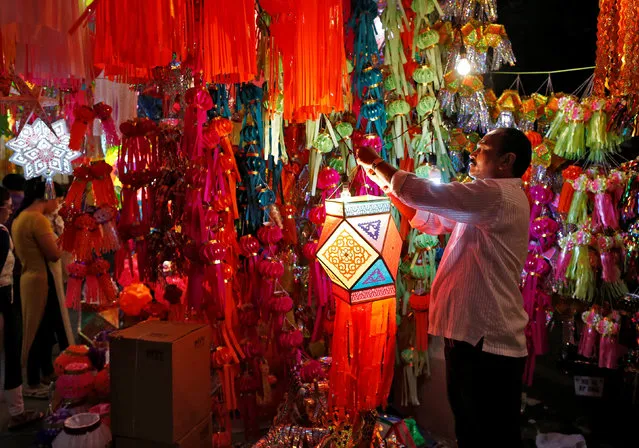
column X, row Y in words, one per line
column 41, row 151
column 76, row 383
column 72, row 354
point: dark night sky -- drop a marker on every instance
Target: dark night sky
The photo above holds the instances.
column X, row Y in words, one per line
column 549, row 35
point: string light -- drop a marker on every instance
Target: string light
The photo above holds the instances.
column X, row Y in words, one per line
column 463, row 66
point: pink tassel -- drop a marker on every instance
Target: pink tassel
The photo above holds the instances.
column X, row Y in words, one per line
column 588, row 342
column 529, row 371
column 92, row 290
column 74, row 292
column 605, row 211
column 540, row 333
column 107, row 288
column 142, row 252
column 608, row 350
column 563, row 261
column 609, row 270
column 77, row 273
column 194, row 288
column 110, row 240
column 199, row 102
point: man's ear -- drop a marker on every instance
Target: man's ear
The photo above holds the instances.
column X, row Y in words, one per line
column 509, row 159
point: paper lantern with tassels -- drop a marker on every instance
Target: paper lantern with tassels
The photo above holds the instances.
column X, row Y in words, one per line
column 359, row 248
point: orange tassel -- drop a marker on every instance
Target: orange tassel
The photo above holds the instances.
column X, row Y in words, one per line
column 290, row 227
column 420, row 305
column 567, row 191
column 314, row 75
column 229, row 41
column 363, row 354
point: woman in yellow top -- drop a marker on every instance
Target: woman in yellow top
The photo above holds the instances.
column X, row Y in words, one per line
column 36, row 245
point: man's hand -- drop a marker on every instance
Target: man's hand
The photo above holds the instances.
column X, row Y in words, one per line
column 365, row 157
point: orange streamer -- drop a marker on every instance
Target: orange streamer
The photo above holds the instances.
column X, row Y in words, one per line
column 420, row 305
column 217, row 37
column 309, row 38
column 363, row 350
column 228, row 40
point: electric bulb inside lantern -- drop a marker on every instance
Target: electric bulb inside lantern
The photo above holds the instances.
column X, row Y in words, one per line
column 463, row 66
column 435, row 175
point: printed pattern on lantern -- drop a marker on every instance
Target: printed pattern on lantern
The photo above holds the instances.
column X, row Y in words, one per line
column 371, row 228
column 373, row 294
column 355, row 209
column 375, row 277
column 347, row 255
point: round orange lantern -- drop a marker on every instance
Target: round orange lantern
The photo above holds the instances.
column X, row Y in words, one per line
column 133, row 299
column 535, row 138
column 73, row 353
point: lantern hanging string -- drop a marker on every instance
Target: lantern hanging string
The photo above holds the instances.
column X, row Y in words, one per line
column 547, row 72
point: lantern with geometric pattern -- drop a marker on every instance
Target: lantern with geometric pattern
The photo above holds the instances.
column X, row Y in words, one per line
column 359, row 248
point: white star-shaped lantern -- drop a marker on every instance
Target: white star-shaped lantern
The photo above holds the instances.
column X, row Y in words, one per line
column 41, row 151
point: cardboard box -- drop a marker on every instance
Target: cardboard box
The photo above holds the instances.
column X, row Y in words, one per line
column 199, row 437
column 160, row 380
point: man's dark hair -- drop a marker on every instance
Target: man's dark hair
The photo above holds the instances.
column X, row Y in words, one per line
column 13, row 182
column 515, row 141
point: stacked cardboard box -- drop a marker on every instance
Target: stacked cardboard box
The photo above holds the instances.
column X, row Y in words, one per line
column 160, row 386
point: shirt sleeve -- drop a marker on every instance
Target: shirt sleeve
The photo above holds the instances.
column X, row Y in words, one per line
column 431, row 224
column 475, row 203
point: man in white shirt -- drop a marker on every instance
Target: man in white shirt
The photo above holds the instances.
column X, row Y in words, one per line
column 476, row 304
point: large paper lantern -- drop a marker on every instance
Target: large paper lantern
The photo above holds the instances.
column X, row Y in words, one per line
column 43, row 150
column 359, row 248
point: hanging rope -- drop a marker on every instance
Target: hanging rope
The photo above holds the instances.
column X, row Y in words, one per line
column 548, row 72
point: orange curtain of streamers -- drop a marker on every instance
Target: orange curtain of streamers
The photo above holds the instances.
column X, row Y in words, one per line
column 215, row 36
column 133, row 36
column 309, row 37
column 229, row 40
column 363, row 351
column 617, row 48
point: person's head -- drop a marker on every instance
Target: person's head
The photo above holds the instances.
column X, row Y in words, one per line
column 14, row 183
column 34, row 193
column 5, row 205
column 502, row 153
column 60, row 192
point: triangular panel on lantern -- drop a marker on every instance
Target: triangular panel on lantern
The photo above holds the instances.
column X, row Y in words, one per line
column 360, row 254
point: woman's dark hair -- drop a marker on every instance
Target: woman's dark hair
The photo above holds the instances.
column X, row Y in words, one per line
column 13, row 182
column 515, row 141
column 4, row 195
column 34, row 189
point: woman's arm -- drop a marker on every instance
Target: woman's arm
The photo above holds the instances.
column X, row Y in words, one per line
column 48, row 244
column 46, row 239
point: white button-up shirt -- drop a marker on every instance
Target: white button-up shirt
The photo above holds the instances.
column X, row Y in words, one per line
column 476, row 292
